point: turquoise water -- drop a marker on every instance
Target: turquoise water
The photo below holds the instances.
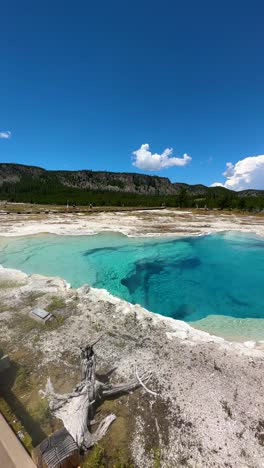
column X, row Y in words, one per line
column 195, row 279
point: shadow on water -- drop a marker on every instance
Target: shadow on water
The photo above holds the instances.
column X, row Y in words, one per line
column 248, row 245
column 32, row 427
column 132, row 244
column 144, row 270
column 183, row 312
column 139, row 283
column 236, row 301
column 141, row 276
column 99, row 249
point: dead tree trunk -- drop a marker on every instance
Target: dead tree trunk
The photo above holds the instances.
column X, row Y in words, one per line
column 77, row 409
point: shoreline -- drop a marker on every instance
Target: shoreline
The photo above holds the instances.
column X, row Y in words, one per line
column 188, row 333
column 86, row 227
column 218, row 326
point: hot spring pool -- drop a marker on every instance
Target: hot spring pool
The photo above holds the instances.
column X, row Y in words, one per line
column 215, row 282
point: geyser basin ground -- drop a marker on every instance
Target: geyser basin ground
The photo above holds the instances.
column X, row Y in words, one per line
column 215, row 282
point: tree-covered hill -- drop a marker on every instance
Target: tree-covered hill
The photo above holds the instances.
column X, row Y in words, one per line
column 21, row 183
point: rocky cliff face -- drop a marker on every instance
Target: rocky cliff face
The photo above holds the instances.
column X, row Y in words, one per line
column 95, row 180
column 108, row 181
column 89, row 180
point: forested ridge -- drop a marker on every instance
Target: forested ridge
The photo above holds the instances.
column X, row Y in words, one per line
column 29, row 184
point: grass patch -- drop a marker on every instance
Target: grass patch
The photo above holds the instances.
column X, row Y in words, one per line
column 116, row 443
column 95, row 458
column 157, row 458
column 120, row 461
column 31, row 298
column 23, row 324
column 16, row 425
column 22, row 379
column 40, row 411
column 98, row 458
column 10, row 284
column 19, row 388
column 56, row 303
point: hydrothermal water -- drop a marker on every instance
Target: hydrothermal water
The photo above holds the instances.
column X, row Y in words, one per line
column 195, row 279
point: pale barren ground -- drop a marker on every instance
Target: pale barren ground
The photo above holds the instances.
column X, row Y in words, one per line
column 210, row 404
column 137, row 223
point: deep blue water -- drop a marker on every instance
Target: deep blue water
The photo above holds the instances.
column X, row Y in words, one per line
column 187, row 279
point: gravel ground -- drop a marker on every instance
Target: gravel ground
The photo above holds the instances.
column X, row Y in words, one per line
column 209, row 411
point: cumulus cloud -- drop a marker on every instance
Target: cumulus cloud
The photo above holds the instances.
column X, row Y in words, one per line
column 229, row 172
column 217, row 184
column 248, row 173
column 144, row 159
column 5, row 135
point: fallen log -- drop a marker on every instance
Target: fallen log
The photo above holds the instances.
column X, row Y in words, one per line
column 77, row 409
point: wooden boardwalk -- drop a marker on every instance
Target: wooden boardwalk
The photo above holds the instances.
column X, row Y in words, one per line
column 12, row 452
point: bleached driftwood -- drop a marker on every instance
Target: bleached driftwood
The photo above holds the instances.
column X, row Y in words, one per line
column 77, row 409
column 144, row 386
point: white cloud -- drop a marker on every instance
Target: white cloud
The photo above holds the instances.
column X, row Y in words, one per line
column 229, row 170
column 216, row 184
column 144, row 159
column 5, row 135
column 245, row 174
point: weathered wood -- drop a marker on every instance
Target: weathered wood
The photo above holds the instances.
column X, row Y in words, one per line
column 57, row 451
column 77, row 409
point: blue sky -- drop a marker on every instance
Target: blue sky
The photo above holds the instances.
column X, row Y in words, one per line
column 85, row 84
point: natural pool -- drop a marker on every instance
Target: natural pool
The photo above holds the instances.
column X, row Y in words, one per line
column 215, row 282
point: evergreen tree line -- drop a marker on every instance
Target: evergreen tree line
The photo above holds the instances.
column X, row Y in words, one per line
column 52, row 192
